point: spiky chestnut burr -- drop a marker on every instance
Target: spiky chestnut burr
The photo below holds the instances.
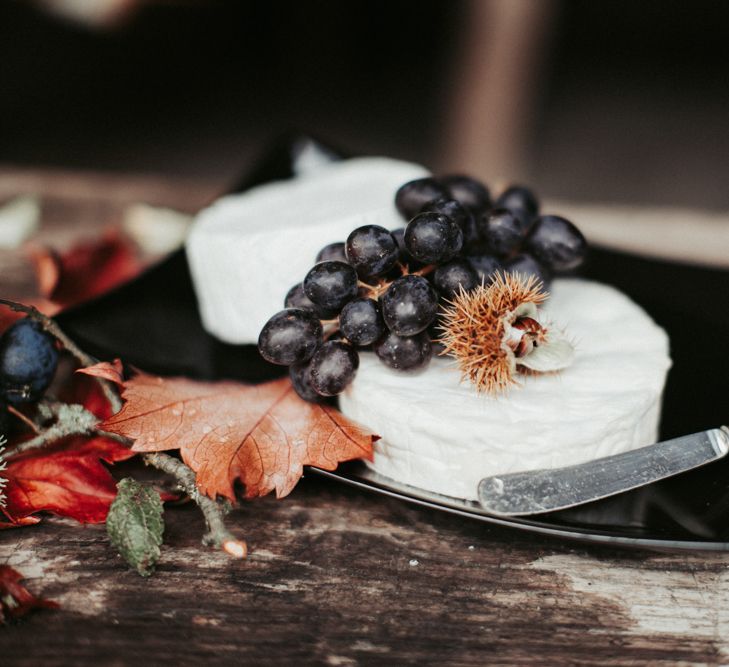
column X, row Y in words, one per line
column 494, row 331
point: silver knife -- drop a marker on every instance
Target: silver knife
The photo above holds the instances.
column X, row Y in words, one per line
column 539, row 491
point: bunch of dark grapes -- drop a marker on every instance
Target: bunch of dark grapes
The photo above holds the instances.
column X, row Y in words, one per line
column 382, row 290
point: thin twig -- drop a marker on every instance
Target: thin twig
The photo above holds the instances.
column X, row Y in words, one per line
column 26, row 420
column 213, row 511
column 69, row 420
column 84, row 359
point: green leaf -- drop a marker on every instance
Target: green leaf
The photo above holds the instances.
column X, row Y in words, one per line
column 135, row 525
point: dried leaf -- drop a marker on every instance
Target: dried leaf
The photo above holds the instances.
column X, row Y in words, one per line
column 68, row 479
column 262, row 434
column 15, row 599
column 135, row 525
column 106, row 370
column 87, row 269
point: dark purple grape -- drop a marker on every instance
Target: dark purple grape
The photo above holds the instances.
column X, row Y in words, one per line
column 296, row 298
column 518, row 197
column 331, row 284
column 409, row 305
column 404, row 353
column 485, row 266
column 361, row 322
column 556, row 243
column 471, row 193
column 300, row 375
column 457, row 274
column 433, row 238
column 411, row 197
column 371, row 250
column 458, row 213
column 291, row 336
column 526, row 265
column 333, row 367
column 332, row 252
column 28, row 362
column 501, row 231
column 435, row 333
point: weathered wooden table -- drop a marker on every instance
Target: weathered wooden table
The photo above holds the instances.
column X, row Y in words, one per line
column 337, row 576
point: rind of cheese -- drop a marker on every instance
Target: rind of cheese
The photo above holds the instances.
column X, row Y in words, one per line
column 438, row 434
column 246, row 251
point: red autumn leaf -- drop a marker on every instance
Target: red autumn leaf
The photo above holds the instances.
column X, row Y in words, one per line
column 68, row 479
column 260, row 434
column 106, row 370
column 87, row 269
column 15, row 599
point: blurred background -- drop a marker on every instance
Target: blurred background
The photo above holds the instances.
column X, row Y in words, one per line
column 592, row 100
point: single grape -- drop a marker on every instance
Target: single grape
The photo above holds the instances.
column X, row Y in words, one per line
column 332, row 252
column 404, row 353
column 409, row 305
column 371, row 250
column 300, row 375
column 471, row 193
column 556, row 243
column 453, row 276
column 331, row 284
column 28, row 362
column 291, row 336
column 433, row 238
column 501, row 231
column 519, row 197
column 333, row 367
column 485, row 266
column 296, row 298
column 526, row 265
column 411, row 197
column 361, row 322
column 461, row 215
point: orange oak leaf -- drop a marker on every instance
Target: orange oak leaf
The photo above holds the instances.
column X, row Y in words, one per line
column 15, row 599
column 261, row 434
column 68, row 479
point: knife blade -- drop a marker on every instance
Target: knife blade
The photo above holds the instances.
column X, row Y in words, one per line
column 548, row 490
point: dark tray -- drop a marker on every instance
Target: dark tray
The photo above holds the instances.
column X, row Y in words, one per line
column 153, row 323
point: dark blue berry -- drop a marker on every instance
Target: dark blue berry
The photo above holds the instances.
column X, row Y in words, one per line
column 452, row 277
column 361, row 322
column 433, row 238
column 291, row 336
column 404, row 353
column 471, row 193
column 333, row 251
column 412, row 196
column 28, row 361
column 333, row 367
column 518, row 197
column 371, row 250
column 331, row 284
column 556, row 243
column 501, row 231
column 409, row 305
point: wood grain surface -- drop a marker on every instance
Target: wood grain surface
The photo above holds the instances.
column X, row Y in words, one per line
column 337, row 576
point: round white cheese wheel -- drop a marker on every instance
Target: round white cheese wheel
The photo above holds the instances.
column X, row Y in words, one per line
column 438, row 434
column 246, row 251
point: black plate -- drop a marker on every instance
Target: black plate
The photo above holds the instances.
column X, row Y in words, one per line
column 153, row 323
